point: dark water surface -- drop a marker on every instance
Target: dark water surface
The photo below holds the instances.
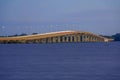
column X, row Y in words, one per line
column 64, row 61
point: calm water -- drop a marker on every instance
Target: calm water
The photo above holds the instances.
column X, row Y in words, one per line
column 75, row 61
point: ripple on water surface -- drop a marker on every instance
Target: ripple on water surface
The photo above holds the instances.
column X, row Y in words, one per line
column 62, row 61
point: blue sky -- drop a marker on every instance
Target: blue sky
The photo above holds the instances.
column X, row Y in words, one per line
column 40, row 16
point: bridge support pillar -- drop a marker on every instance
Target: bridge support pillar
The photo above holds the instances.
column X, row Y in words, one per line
column 86, row 38
column 93, row 39
column 43, row 40
column 78, row 38
column 83, row 38
column 90, row 39
column 49, row 40
column 75, row 38
column 54, row 39
column 67, row 39
column 58, row 39
column 71, row 38
column 63, row 39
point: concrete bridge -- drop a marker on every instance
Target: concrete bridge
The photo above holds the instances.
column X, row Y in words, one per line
column 56, row 37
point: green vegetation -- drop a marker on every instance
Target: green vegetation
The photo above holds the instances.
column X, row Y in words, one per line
column 23, row 34
column 116, row 37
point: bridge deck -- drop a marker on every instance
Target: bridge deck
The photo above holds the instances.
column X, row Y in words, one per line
column 74, row 35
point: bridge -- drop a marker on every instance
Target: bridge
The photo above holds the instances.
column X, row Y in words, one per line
column 56, row 37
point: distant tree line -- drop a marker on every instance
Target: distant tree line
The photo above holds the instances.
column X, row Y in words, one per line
column 116, row 37
column 23, row 34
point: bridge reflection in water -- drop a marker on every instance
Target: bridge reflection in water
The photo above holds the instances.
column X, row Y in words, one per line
column 56, row 37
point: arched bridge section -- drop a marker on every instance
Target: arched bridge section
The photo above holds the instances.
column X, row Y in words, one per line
column 56, row 37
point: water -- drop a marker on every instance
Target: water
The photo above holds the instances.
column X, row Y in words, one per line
column 63, row 61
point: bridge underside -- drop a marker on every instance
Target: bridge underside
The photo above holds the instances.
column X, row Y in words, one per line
column 59, row 38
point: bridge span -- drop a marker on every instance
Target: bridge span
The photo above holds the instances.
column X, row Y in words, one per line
column 56, row 37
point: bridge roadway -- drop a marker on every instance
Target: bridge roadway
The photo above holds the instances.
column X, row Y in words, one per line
column 56, row 37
